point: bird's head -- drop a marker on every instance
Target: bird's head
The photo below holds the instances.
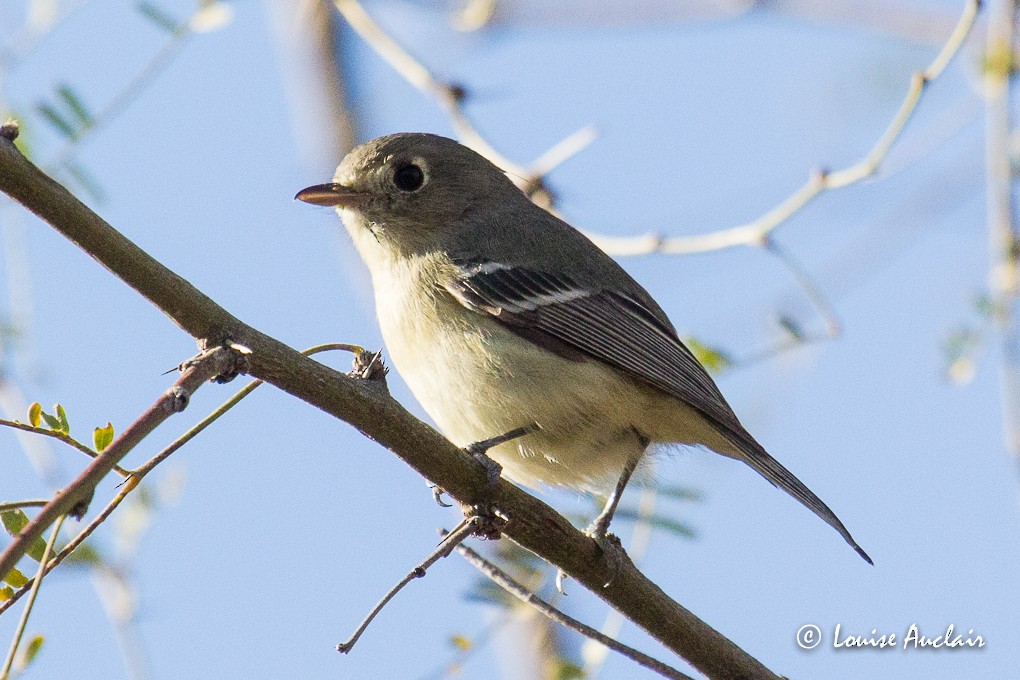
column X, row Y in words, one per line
column 417, row 191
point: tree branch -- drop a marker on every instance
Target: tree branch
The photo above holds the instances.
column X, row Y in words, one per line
column 367, row 406
column 756, row 232
column 74, row 498
column 1003, row 229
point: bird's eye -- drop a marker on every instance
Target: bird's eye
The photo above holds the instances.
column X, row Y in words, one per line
column 409, row 177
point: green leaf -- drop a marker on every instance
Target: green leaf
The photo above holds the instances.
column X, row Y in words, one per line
column 84, row 555
column 985, row 305
column 30, row 651
column 33, row 414
column 713, row 359
column 102, row 437
column 14, row 521
column 65, row 427
column 791, row 326
column 568, row 670
column 6, row 593
column 461, row 643
column 57, row 120
column 681, row 493
column 159, row 17
column 77, row 106
column 16, row 578
column 51, row 422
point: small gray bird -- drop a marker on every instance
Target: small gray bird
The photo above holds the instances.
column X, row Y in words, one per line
column 498, row 314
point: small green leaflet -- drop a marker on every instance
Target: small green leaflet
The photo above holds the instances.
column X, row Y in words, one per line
column 102, row 437
column 713, row 359
column 14, row 521
column 34, row 412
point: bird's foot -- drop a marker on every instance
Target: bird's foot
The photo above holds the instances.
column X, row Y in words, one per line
column 480, row 451
column 609, row 544
column 493, row 470
column 437, row 495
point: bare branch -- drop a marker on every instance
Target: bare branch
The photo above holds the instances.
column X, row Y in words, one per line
column 136, row 476
column 450, row 541
column 14, row 505
column 804, row 280
column 451, row 98
column 755, row 232
column 74, row 498
column 59, row 436
column 36, row 583
column 125, row 489
column 503, row 580
column 366, row 405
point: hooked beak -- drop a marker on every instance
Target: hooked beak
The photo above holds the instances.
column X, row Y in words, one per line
column 332, row 195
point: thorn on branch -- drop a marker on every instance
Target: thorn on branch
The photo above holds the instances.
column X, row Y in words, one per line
column 235, row 363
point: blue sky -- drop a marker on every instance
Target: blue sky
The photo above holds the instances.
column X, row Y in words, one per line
column 290, row 524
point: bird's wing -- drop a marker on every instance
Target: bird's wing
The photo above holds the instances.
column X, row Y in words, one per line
column 618, row 329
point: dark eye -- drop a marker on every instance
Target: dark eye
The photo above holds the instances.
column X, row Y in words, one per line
column 409, row 177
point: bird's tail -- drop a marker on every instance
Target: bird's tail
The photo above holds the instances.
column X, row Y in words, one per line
column 752, row 453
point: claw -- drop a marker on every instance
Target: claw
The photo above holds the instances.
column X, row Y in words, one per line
column 437, row 496
column 479, row 451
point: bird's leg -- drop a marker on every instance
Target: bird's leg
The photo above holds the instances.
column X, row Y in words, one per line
column 599, row 529
column 479, row 450
column 488, row 522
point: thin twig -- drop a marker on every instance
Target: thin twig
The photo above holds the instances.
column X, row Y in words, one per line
column 810, row 287
column 135, row 477
column 125, row 489
column 190, row 434
column 503, row 580
column 23, row 621
column 451, row 98
column 755, row 232
column 564, row 150
column 74, row 498
column 446, row 546
column 59, row 436
column 14, row 505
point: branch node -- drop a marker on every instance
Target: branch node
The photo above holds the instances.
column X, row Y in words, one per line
column 180, row 398
column 456, row 92
column 487, row 522
column 79, row 509
column 9, row 130
column 368, row 365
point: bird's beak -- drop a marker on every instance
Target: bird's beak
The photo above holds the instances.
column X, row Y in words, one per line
column 332, row 195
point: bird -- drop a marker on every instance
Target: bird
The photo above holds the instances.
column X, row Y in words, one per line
column 497, row 314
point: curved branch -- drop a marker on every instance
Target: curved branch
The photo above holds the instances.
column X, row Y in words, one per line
column 368, row 407
column 756, row 232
